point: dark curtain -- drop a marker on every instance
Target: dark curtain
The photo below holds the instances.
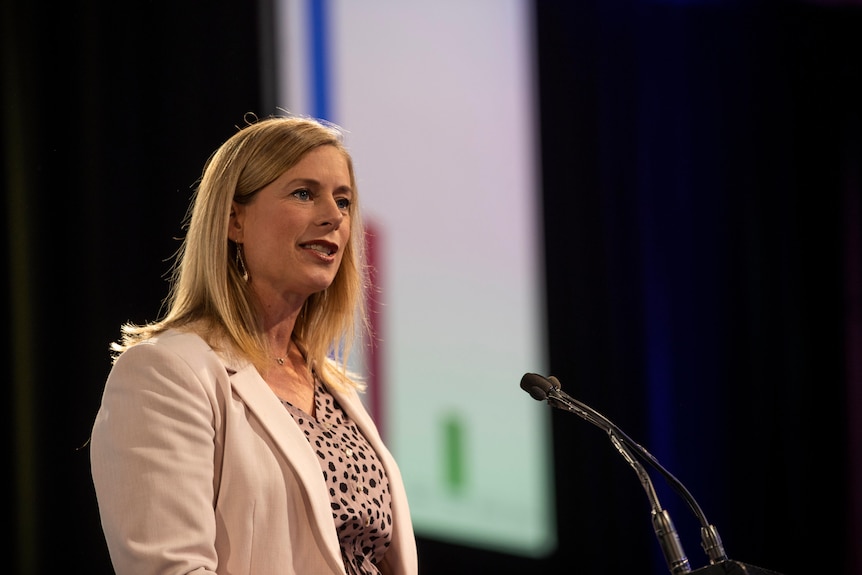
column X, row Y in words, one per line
column 701, row 165
column 109, row 113
column 701, row 174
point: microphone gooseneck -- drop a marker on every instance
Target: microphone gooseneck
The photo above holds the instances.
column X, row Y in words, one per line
column 549, row 389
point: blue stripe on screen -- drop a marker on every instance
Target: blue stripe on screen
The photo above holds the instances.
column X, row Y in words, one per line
column 318, row 49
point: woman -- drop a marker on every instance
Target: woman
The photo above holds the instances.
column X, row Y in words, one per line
column 231, row 437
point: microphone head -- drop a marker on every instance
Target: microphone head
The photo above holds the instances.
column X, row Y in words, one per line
column 536, row 385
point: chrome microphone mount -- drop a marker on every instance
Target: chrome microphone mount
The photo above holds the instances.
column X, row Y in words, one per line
column 549, row 389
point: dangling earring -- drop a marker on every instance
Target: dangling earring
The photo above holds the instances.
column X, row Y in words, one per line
column 240, row 263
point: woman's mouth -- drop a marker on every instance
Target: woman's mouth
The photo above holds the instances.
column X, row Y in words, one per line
column 324, row 248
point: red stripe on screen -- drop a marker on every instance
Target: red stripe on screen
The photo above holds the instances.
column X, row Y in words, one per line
column 374, row 307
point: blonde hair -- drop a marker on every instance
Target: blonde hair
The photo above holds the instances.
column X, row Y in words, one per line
column 207, row 291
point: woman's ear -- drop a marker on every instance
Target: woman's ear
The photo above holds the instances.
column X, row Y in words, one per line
column 234, row 226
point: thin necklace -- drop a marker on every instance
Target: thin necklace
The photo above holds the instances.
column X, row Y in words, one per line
column 280, row 360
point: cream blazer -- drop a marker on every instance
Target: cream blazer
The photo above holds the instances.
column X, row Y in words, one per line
column 199, row 468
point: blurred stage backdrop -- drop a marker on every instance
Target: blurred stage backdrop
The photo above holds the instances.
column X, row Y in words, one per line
column 660, row 203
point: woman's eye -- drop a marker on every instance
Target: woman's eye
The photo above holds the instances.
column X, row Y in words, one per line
column 302, row 194
column 343, row 203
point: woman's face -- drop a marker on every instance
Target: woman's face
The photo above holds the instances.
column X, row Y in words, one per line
column 295, row 230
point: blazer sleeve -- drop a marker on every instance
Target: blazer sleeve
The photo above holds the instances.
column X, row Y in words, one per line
column 152, row 450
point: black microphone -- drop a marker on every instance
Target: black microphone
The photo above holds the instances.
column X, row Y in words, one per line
column 536, row 385
column 542, row 389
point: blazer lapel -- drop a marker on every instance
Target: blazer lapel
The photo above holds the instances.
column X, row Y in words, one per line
column 292, row 443
column 403, row 542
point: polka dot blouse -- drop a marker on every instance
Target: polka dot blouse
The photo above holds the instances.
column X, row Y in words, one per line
column 358, row 486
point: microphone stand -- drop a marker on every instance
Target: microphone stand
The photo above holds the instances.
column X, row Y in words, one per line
column 665, row 531
column 550, row 389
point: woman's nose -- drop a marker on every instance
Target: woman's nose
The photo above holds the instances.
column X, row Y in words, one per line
column 330, row 213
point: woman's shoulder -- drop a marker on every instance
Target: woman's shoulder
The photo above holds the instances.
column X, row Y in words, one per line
column 179, row 344
column 175, row 358
column 180, row 341
column 181, row 337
